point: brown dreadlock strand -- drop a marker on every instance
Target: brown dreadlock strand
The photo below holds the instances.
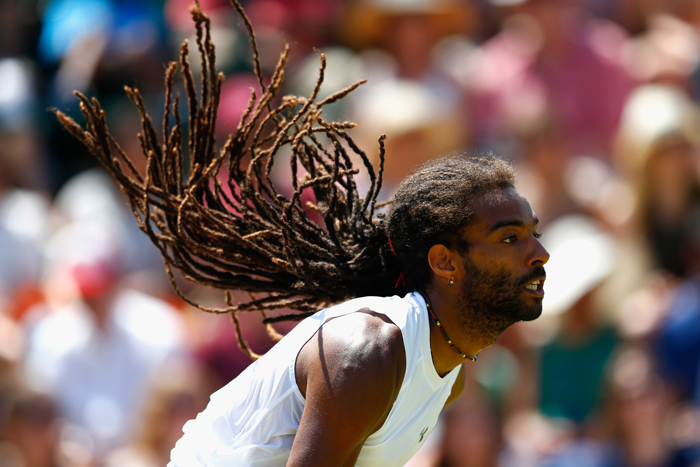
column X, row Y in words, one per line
column 242, row 234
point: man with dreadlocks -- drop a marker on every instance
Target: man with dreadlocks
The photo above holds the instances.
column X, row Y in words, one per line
column 362, row 383
column 391, row 305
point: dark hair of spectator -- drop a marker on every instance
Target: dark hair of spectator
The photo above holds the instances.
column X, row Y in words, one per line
column 242, row 233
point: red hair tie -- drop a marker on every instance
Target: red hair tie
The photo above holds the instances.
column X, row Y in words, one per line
column 401, row 279
column 391, row 246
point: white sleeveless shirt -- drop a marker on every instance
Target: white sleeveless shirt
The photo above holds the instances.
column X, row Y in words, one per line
column 252, row 420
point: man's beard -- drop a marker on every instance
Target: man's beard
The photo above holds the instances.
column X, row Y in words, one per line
column 493, row 300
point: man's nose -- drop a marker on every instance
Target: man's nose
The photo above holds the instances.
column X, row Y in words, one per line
column 539, row 256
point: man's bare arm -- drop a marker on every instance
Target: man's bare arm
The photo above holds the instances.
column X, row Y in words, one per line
column 350, row 373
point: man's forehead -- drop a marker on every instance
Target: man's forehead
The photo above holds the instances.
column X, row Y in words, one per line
column 503, row 205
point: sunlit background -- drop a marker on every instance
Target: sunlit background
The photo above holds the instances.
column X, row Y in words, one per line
column 596, row 103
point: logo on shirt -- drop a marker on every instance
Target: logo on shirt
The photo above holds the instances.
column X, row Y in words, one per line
column 422, row 433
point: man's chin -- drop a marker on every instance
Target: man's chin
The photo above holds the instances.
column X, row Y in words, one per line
column 532, row 312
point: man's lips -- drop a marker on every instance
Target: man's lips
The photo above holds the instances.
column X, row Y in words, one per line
column 536, row 286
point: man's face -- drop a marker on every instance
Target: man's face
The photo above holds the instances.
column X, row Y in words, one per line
column 504, row 273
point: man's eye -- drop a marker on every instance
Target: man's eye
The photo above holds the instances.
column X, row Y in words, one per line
column 510, row 239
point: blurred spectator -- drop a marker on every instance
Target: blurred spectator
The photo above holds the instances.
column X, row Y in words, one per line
column 566, row 423
column 552, row 62
column 678, row 356
column 410, row 95
column 97, row 344
column 572, row 365
column 407, row 30
column 656, row 150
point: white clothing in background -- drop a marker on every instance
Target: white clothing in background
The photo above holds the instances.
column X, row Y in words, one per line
column 99, row 379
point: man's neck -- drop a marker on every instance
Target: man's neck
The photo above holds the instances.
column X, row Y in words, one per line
column 447, row 310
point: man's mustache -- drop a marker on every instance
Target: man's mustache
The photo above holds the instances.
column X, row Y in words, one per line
column 536, row 273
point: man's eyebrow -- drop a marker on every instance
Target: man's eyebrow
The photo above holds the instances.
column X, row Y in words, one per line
column 511, row 223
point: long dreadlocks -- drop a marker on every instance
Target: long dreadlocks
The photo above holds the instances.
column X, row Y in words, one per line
column 242, row 234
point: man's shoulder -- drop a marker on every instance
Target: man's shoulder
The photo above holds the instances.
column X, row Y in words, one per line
column 374, row 327
column 356, row 347
column 366, row 333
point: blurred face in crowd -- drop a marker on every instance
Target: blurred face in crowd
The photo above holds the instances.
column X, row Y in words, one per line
column 672, row 172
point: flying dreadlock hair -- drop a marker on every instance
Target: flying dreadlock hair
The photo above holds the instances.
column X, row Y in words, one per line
column 242, row 234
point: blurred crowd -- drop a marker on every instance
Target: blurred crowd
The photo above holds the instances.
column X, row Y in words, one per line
column 596, row 102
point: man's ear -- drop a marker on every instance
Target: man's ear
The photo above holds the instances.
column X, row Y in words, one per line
column 443, row 261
